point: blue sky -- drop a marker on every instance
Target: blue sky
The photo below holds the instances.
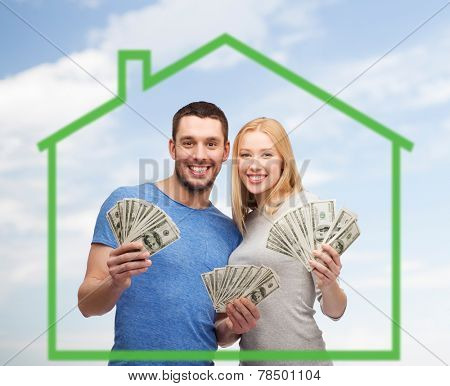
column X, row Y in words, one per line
column 327, row 42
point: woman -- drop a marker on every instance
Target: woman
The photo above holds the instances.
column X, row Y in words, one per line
column 265, row 184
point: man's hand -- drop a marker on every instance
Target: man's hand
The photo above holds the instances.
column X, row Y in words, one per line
column 126, row 261
column 327, row 267
column 242, row 315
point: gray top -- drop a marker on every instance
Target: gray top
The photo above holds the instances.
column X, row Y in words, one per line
column 287, row 315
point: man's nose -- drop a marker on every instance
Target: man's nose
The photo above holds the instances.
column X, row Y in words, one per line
column 200, row 152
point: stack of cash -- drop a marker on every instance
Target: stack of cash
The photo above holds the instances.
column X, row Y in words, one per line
column 132, row 219
column 236, row 281
column 304, row 228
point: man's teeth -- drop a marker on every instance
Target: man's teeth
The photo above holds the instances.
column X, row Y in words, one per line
column 198, row 169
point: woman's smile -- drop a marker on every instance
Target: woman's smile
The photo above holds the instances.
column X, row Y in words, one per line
column 256, row 178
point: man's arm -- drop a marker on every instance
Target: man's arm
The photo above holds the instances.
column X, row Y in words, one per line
column 240, row 318
column 108, row 274
column 225, row 337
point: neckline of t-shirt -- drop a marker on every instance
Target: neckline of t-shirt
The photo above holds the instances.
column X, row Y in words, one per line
column 211, row 206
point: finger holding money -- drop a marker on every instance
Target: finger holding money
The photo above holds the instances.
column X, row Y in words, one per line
column 325, row 259
column 247, row 309
column 333, row 253
column 244, row 313
column 329, row 276
column 235, row 318
column 126, row 261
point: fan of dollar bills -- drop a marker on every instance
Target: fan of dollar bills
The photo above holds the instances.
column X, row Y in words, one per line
column 132, row 219
column 304, row 228
column 236, row 281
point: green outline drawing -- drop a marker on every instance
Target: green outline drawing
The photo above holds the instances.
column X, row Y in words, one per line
column 150, row 80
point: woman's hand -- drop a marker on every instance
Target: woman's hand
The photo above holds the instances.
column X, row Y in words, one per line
column 242, row 315
column 327, row 267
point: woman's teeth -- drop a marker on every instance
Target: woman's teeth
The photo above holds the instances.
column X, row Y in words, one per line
column 256, row 178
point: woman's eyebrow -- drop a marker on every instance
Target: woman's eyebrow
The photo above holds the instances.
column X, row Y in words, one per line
column 269, row 148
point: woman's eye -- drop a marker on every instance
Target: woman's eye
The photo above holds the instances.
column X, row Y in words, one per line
column 245, row 155
column 267, row 154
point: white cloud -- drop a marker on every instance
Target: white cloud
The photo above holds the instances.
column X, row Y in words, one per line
column 415, row 77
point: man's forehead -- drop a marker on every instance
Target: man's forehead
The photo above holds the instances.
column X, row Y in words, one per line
column 194, row 121
column 201, row 128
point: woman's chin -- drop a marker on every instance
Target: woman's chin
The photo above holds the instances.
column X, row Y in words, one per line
column 255, row 190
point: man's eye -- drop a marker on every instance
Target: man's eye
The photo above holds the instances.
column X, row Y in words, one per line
column 211, row 144
column 187, row 143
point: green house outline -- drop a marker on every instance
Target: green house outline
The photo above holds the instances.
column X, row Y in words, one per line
column 150, row 80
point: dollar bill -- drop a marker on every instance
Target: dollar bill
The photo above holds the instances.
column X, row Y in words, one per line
column 235, row 281
column 133, row 219
column 322, row 216
column 342, row 219
column 342, row 240
column 306, row 227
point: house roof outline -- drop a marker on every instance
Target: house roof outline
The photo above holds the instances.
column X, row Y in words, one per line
column 150, row 80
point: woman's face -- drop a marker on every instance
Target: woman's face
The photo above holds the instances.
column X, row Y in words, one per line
column 259, row 163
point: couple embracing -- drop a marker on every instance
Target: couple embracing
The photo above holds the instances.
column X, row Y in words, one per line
column 162, row 304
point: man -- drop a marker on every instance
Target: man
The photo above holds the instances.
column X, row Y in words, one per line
column 167, row 307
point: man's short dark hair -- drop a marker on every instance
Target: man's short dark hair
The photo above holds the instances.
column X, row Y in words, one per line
column 201, row 110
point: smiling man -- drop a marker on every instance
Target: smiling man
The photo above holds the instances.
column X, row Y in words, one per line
column 166, row 306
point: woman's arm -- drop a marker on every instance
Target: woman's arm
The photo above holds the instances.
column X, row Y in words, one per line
column 334, row 301
column 326, row 270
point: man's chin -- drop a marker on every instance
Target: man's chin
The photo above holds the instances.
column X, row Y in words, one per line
column 196, row 186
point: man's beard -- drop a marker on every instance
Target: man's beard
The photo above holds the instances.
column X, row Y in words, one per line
column 192, row 188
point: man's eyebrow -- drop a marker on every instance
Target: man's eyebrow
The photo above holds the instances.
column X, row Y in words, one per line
column 207, row 139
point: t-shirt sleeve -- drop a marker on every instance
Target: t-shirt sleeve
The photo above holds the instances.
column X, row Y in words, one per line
column 237, row 240
column 319, row 298
column 103, row 233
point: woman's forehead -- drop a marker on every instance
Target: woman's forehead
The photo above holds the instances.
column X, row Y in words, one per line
column 255, row 140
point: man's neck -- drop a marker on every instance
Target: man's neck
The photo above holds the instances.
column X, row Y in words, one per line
column 178, row 192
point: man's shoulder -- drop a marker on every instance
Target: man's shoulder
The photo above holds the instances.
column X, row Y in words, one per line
column 144, row 191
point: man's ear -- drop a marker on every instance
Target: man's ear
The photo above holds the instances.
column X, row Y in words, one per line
column 172, row 148
column 226, row 151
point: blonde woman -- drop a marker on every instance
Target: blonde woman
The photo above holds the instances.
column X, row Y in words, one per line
column 265, row 184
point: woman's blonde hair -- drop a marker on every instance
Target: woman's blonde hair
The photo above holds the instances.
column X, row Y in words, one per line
column 242, row 200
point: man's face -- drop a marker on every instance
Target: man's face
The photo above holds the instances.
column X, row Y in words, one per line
column 198, row 151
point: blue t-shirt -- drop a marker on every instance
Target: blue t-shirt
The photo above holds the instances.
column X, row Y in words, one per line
column 168, row 307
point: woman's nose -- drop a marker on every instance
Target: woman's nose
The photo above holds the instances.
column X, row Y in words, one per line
column 254, row 165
